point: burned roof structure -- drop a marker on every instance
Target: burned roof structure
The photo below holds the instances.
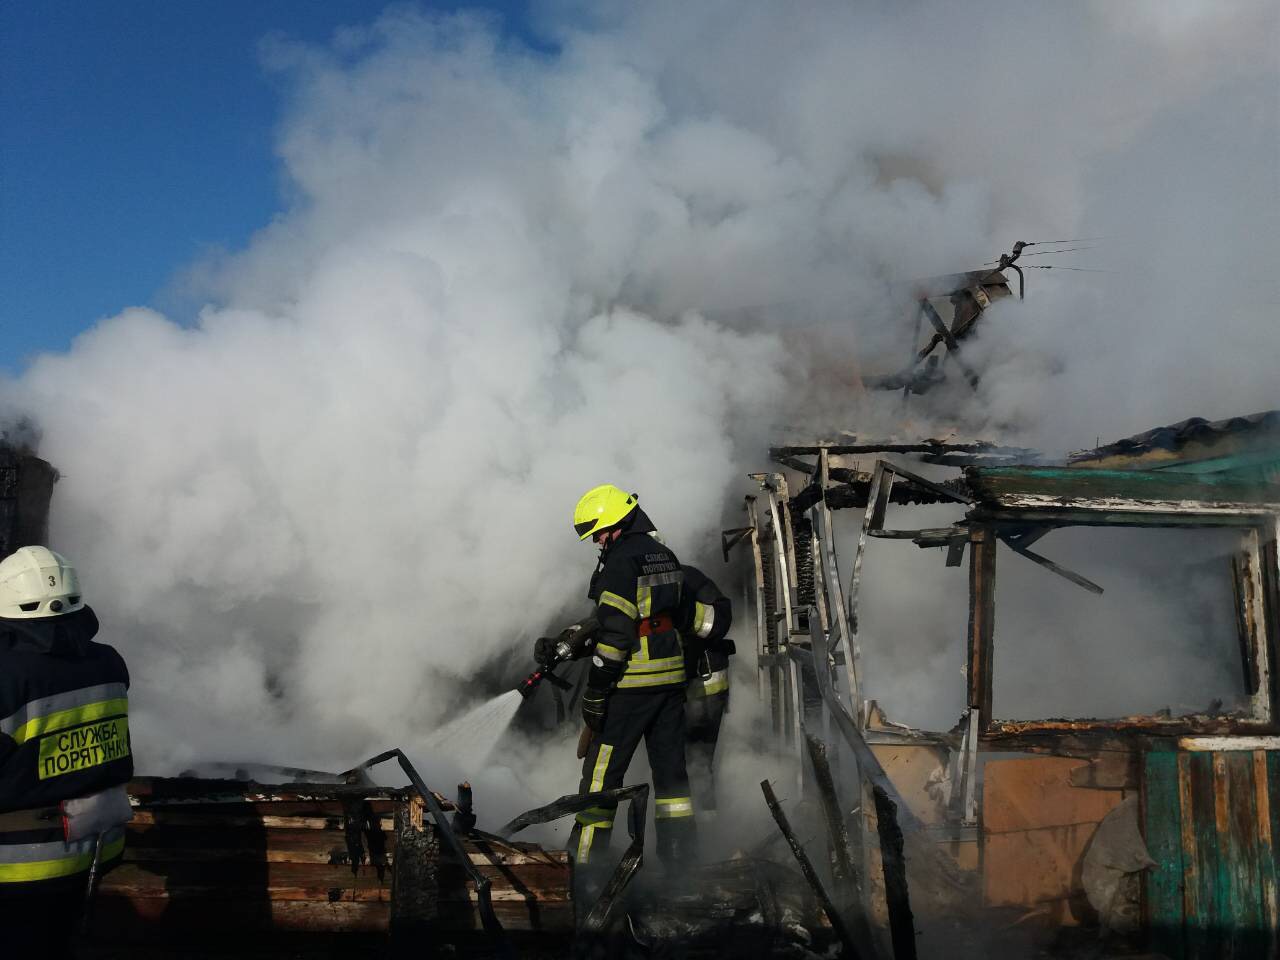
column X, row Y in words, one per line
column 1171, row 530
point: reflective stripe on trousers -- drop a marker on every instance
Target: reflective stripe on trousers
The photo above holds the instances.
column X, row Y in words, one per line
column 667, row 808
column 595, row 818
column 28, row 862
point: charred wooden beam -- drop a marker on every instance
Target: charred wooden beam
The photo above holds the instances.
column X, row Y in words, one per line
column 982, row 572
column 842, row 868
column 464, row 817
column 1115, row 513
column 889, row 446
column 1026, row 732
column 902, row 929
column 806, row 867
column 1137, row 491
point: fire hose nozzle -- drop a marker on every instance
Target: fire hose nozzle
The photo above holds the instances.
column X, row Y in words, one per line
column 534, row 680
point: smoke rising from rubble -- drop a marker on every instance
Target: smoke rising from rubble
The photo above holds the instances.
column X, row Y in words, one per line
column 309, row 517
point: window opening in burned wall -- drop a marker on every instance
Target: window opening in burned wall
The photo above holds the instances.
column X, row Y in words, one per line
column 1162, row 623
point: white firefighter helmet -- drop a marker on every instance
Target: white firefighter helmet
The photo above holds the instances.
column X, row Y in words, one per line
column 36, row 582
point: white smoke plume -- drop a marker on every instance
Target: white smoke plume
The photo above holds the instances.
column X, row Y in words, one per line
column 502, row 276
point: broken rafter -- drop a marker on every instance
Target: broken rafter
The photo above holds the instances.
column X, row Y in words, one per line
column 1077, row 579
column 602, row 911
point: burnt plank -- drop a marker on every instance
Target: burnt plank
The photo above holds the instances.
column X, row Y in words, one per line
column 1267, row 770
column 229, row 819
column 1190, row 862
column 1204, row 923
column 265, row 807
column 982, row 572
column 307, row 881
column 1239, row 852
column 124, row 919
column 244, row 881
column 1162, row 826
column 148, row 842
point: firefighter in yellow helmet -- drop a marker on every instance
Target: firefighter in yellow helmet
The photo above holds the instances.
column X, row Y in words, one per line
column 64, row 751
column 636, row 685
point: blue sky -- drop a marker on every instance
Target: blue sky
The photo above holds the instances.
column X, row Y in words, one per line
column 135, row 135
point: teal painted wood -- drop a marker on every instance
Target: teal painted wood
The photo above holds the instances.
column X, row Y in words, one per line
column 1240, row 466
column 1204, row 927
column 1084, row 475
column 1162, row 829
column 1076, row 482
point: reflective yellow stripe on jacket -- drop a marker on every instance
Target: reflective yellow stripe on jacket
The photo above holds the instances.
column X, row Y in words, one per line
column 29, row 862
column 62, row 710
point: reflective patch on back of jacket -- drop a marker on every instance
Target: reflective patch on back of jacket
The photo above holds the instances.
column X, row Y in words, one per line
column 80, row 748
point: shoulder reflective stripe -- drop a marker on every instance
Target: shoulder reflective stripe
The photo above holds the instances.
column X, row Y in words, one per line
column 61, row 701
column 611, row 653
column 674, row 807
column 28, row 862
column 70, row 718
column 618, row 603
column 660, row 579
column 652, row 679
column 706, row 618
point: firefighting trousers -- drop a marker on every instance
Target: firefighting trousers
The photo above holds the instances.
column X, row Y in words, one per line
column 658, row 718
column 702, row 729
column 41, row 918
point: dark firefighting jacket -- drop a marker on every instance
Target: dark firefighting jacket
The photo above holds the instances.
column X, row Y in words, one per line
column 64, row 735
column 638, row 595
column 704, row 620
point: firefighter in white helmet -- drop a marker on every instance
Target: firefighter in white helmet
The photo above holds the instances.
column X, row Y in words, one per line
column 65, row 754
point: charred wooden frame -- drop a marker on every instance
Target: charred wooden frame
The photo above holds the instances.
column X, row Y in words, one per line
column 1012, row 499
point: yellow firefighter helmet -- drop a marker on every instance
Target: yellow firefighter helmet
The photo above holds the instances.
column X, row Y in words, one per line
column 602, row 507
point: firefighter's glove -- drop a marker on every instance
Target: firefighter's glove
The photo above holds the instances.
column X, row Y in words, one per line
column 600, row 680
column 544, row 649
column 593, row 706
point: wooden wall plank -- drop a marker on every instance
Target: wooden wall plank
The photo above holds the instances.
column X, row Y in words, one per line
column 1162, row 828
column 1240, row 846
column 1269, row 852
column 1202, row 921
